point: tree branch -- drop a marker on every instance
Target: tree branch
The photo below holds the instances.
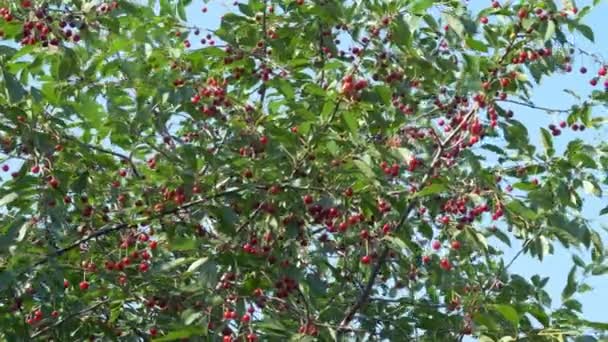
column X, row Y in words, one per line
column 531, row 105
column 105, row 231
column 61, row 321
column 365, row 294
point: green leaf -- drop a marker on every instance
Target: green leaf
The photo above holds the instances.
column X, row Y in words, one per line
column 518, row 208
column 351, row 122
column 571, row 285
column 302, row 338
column 591, row 188
column 432, row 189
column 455, row 24
column 550, row 30
column 195, row 265
column 8, row 198
column 183, row 244
column 420, row 6
column 599, row 270
column 508, row 312
column 401, row 33
column 10, row 233
column 181, row 333
column 547, row 140
column 476, row 44
column 365, row 169
column 14, row 89
column 397, row 243
column 586, row 31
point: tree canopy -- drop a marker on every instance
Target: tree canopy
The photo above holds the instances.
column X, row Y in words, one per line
column 307, row 170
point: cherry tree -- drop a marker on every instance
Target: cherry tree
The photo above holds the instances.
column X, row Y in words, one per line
column 307, row 170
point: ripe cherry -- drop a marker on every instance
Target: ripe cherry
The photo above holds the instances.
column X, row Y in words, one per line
column 484, row 20
column 308, row 199
column 246, row 318
column 436, row 245
column 522, row 13
column 153, row 244
column 445, row 264
column 426, row 259
column 153, row 331
column 53, row 183
column 84, row 285
column 55, row 314
column 366, row 259
column 144, row 266
column 456, row 245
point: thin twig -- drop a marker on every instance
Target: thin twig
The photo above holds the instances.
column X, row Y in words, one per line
column 110, row 152
column 530, row 105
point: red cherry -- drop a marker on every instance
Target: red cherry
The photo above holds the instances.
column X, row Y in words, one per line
column 361, row 84
column 144, row 266
column 84, row 285
column 436, row 245
column 602, row 71
column 308, row 199
column 153, row 331
column 456, row 245
column 35, row 169
column 246, row 318
column 153, row 244
column 66, row 284
column 263, row 140
column 366, row 259
column 522, row 13
column 426, row 259
column 445, row 264
column 227, row 338
column 484, row 20
column 53, row 183
column 55, row 314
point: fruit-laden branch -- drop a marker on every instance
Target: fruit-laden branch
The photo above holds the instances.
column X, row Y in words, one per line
column 75, row 314
column 113, row 228
column 365, row 294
